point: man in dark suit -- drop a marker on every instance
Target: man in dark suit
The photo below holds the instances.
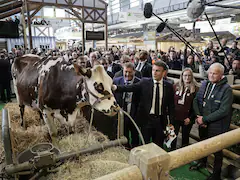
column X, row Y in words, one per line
column 5, row 78
column 143, row 66
column 125, row 59
column 120, row 73
column 103, row 62
column 156, row 101
column 128, row 101
column 112, row 66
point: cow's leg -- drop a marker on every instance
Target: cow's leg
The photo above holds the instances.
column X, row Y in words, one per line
column 41, row 117
column 72, row 119
column 15, row 89
column 22, row 108
column 48, row 118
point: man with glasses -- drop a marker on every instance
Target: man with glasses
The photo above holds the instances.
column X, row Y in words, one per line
column 128, row 101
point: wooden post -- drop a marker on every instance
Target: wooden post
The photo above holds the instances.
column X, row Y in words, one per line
column 24, row 29
column 83, row 37
column 204, row 148
column 29, row 25
column 152, row 160
column 106, row 36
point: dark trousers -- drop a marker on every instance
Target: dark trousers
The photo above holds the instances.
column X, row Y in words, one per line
column 154, row 129
column 7, row 86
column 128, row 126
column 185, row 133
column 218, row 156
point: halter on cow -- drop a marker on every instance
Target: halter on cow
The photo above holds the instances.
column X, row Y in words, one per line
column 56, row 88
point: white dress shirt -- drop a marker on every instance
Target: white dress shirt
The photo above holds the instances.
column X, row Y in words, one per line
column 110, row 67
column 128, row 99
column 140, row 65
column 152, row 111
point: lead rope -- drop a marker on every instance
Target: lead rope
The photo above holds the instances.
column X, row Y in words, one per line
column 138, row 130
column 90, row 126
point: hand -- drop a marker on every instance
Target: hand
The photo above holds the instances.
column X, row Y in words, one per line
column 199, row 120
column 186, row 121
column 114, row 87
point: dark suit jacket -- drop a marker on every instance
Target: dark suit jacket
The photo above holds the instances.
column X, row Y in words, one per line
column 146, row 70
column 145, row 88
column 135, row 96
column 5, row 71
column 120, row 73
column 110, row 74
column 116, row 67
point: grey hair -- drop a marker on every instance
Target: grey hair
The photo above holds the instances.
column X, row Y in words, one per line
column 219, row 66
column 129, row 65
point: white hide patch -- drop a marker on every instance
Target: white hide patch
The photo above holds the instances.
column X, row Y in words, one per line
column 66, row 67
column 59, row 117
column 99, row 75
column 31, row 55
column 72, row 117
column 46, row 68
column 15, row 89
column 62, row 120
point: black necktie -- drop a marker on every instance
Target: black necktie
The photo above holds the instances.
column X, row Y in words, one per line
column 157, row 99
column 126, row 96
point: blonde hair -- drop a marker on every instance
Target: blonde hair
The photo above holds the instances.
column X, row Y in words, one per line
column 192, row 85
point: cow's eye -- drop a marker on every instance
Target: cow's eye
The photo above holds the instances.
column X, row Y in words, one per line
column 99, row 87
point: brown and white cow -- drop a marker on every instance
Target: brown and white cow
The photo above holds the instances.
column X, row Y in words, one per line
column 56, row 88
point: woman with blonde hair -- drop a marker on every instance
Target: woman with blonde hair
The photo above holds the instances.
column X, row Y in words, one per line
column 184, row 92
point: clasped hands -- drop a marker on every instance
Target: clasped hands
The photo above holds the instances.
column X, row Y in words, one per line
column 199, row 121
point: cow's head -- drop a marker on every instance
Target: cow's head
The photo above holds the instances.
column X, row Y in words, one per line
column 98, row 85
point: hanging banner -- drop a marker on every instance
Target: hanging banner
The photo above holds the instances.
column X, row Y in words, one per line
column 131, row 16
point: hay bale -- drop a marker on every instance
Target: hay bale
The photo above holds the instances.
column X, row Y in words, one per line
column 75, row 142
column 30, row 117
column 93, row 166
column 103, row 167
column 24, row 139
column 90, row 166
column 2, row 155
column 87, row 166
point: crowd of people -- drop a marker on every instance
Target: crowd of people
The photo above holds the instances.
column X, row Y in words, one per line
column 143, row 89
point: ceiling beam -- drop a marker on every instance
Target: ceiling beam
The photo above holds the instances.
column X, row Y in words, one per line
column 58, row 18
column 10, row 13
column 62, row 5
column 36, row 11
column 6, row 1
column 10, row 6
column 73, row 20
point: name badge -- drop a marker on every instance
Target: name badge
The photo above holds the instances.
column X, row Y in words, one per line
column 181, row 101
column 204, row 103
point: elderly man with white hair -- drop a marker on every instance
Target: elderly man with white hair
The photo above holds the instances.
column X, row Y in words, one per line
column 213, row 105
